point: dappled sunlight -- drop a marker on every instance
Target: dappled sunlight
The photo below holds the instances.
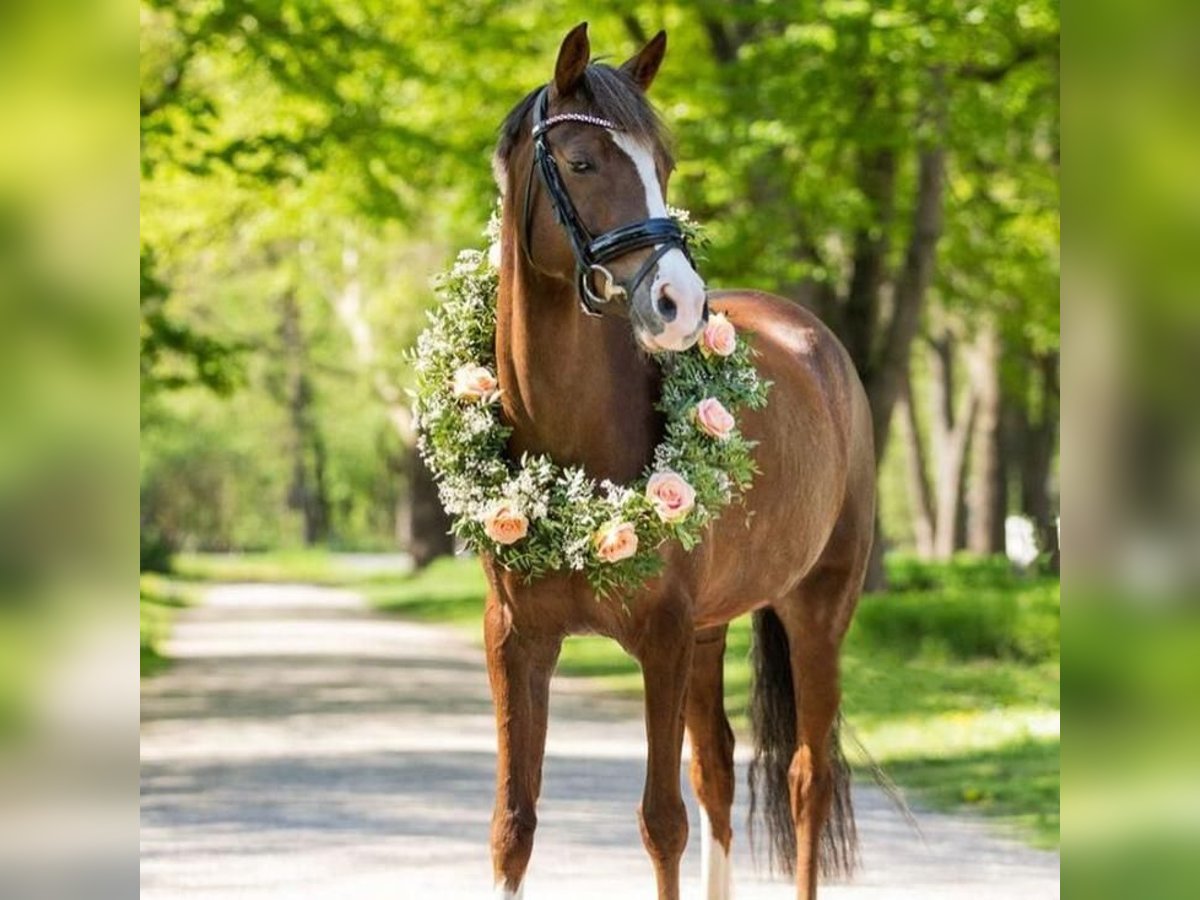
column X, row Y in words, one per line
column 306, row 773
column 959, row 732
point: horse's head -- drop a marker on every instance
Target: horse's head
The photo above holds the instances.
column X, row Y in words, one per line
column 585, row 166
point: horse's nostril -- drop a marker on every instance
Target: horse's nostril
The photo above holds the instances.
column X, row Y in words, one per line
column 666, row 308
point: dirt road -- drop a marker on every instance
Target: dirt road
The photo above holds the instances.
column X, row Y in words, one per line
column 304, row 747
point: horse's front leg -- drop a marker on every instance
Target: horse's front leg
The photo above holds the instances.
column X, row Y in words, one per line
column 519, row 667
column 665, row 653
column 712, row 760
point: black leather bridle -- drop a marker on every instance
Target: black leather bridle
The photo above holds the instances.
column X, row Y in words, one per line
column 591, row 253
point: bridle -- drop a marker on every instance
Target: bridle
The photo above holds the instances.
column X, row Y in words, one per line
column 591, row 253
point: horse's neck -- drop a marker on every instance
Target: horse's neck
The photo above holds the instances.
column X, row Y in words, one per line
column 575, row 388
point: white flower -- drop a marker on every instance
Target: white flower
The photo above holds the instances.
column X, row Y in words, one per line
column 593, row 524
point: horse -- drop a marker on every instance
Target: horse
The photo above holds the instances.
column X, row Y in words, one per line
column 579, row 320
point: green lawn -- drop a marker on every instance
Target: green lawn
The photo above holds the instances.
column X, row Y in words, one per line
column 161, row 598
column 307, row 566
column 951, row 679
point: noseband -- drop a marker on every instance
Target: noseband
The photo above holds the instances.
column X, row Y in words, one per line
column 592, row 253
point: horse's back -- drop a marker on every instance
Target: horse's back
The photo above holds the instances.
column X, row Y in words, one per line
column 791, row 328
column 815, row 454
column 790, row 336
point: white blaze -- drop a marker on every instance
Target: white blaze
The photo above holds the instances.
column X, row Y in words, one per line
column 715, row 870
column 675, row 275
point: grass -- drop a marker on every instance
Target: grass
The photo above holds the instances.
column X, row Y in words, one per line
column 951, row 679
column 448, row 590
column 161, row 599
column 1016, row 782
column 307, row 566
column 24, row 638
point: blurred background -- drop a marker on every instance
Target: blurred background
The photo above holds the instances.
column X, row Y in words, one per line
column 306, row 167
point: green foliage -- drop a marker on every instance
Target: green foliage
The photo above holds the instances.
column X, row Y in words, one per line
column 798, row 101
column 281, row 140
column 173, row 354
column 447, row 590
column 906, row 573
column 464, row 443
column 970, row 609
column 1016, row 782
column 304, row 566
column 216, row 472
column 159, row 600
column 156, row 549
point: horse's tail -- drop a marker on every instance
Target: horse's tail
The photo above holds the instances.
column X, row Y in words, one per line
column 773, row 717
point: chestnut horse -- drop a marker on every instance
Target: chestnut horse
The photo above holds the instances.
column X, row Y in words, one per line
column 582, row 389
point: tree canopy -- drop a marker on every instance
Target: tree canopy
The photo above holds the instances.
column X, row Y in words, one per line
column 307, row 165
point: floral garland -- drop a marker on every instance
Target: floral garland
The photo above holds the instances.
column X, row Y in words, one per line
column 538, row 517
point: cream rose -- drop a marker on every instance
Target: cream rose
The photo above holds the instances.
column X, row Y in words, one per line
column 616, row 541
column 505, row 523
column 719, row 338
column 714, row 419
column 671, row 496
column 475, row 383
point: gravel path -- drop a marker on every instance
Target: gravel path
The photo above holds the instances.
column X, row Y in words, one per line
column 303, row 747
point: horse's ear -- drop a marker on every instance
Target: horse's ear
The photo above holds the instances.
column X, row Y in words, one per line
column 573, row 58
column 643, row 65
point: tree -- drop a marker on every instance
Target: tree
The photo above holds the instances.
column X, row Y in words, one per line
column 893, row 166
column 846, row 131
column 174, row 354
column 270, row 132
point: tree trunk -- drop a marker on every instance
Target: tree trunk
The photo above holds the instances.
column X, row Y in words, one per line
column 886, row 370
column 876, row 577
column 1037, row 441
column 886, row 376
column 316, row 511
column 920, row 492
column 986, row 499
column 952, row 424
column 307, row 492
column 422, row 525
column 429, row 527
column 859, row 319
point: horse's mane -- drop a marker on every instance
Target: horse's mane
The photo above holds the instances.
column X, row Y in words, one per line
column 610, row 94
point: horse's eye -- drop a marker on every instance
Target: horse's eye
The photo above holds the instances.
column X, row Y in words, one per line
column 579, row 166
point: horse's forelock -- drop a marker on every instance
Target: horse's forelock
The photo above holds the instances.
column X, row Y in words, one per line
column 609, row 93
column 612, row 95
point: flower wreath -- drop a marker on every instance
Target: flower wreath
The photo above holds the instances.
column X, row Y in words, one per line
column 537, row 517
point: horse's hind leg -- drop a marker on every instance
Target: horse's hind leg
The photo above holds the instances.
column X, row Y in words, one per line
column 519, row 668
column 815, row 618
column 712, row 760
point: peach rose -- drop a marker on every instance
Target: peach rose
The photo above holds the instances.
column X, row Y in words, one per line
column 714, row 419
column 505, row 523
column 719, row 338
column 671, row 496
column 616, row 541
column 475, row 383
